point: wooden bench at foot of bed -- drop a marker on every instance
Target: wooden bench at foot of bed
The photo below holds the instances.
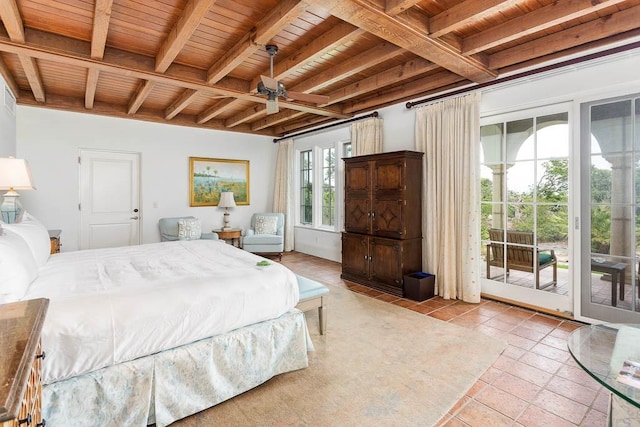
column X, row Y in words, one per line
column 313, row 295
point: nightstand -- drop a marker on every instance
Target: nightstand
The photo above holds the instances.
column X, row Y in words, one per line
column 20, row 376
column 54, row 236
column 232, row 235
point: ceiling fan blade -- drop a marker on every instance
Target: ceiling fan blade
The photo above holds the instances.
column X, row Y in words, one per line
column 272, row 106
column 269, row 83
column 308, row 97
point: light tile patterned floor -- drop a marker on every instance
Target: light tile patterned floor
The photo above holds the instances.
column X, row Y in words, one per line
column 535, row 382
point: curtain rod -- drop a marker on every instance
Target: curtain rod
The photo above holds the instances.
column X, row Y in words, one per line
column 344, row 122
column 562, row 64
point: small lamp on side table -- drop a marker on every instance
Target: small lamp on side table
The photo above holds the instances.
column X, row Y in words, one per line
column 226, row 201
column 14, row 175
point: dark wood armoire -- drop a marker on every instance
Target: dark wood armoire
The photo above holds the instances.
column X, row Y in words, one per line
column 382, row 238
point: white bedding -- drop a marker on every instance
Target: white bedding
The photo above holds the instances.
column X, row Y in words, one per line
column 113, row 305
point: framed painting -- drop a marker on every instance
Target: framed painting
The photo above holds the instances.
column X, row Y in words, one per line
column 210, row 177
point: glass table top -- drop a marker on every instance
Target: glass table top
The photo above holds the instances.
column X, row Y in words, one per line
column 601, row 351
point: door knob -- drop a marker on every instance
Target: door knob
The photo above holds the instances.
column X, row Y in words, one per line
column 134, row 217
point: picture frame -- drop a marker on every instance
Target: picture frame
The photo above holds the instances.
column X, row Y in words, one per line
column 209, row 177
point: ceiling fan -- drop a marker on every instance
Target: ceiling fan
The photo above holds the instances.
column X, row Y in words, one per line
column 274, row 88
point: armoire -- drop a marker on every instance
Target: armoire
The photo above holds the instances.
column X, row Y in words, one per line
column 382, row 238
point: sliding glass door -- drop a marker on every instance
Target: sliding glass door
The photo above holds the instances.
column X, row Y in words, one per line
column 525, row 207
column 610, row 209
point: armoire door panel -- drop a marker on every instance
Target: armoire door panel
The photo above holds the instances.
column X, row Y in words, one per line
column 355, row 254
column 357, row 217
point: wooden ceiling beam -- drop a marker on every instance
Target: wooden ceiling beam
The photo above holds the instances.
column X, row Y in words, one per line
column 157, row 116
column 328, row 41
column 394, row 7
column 616, row 23
column 68, row 51
column 367, row 59
column 373, row 19
column 30, row 68
column 463, row 13
column 247, row 115
column 393, row 75
column 101, row 18
column 8, row 78
column 12, row 21
column 192, row 14
column 180, row 103
column 408, row 90
column 279, row 17
column 90, row 88
column 143, row 91
column 275, row 119
column 305, row 123
column 217, row 109
column 538, row 20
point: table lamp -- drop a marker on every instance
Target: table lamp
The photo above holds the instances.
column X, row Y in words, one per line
column 226, row 202
column 14, row 175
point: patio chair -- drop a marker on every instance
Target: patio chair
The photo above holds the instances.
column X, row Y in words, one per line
column 520, row 255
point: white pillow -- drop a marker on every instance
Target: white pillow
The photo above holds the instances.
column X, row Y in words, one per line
column 17, row 267
column 189, row 229
column 266, row 224
column 36, row 236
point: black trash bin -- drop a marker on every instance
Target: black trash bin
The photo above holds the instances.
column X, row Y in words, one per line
column 419, row 286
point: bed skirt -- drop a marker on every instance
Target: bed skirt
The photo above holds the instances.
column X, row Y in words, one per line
column 173, row 384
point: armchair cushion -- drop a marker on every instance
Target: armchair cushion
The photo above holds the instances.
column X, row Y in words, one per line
column 266, row 224
column 189, row 229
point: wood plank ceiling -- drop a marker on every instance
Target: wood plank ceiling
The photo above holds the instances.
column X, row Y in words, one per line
column 198, row 62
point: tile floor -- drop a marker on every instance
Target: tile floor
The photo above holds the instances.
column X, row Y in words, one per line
column 535, row 382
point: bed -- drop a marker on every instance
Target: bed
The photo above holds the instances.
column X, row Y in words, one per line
column 156, row 332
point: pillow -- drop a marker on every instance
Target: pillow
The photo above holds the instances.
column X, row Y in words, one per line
column 36, row 236
column 189, row 229
column 17, row 267
column 266, row 224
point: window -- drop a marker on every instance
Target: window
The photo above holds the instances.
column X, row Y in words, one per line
column 320, row 177
column 306, row 187
column 328, row 186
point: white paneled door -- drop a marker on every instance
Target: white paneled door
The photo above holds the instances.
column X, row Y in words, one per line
column 109, row 199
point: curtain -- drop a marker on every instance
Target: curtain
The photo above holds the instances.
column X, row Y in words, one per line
column 448, row 132
column 284, row 191
column 366, row 136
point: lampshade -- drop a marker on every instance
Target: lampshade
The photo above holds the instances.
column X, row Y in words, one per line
column 226, row 200
column 15, row 174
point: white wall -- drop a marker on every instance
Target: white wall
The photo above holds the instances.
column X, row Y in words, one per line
column 51, row 141
column 7, row 125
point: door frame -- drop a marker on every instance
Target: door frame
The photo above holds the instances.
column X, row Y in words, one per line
column 138, row 184
column 561, row 305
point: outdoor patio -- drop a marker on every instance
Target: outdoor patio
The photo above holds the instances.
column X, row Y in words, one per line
column 600, row 289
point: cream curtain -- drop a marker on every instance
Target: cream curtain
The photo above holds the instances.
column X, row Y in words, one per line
column 448, row 133
column 366, row 136
column 283, row 191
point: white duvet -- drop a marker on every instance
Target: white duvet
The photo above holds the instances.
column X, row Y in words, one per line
column 113, row 305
